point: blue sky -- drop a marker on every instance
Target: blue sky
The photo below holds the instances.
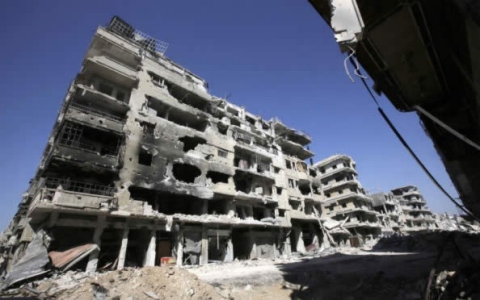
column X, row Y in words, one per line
column 276, row 58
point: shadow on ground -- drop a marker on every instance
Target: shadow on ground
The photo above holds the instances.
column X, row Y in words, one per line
column 385, row 272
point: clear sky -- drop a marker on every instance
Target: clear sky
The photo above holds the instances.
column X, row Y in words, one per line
column 275, row 57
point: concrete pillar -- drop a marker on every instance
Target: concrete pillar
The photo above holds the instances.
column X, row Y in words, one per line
column 274, row 244
column 151, row 251
column 123, row 250
column 180, row 248
column 229, row 254
column 205, row 207
column 253, row 253
column 288, row 246
column 204, row 253
column 300, row 243
column 93, row 258
column 268, row 213
column 156, row 203
column 231, row 208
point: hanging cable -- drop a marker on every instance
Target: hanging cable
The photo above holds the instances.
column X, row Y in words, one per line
column 346, row 66
column 412, row 153
column 356, row 64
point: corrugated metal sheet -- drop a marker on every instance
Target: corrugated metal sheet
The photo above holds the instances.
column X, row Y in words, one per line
column 64, row 258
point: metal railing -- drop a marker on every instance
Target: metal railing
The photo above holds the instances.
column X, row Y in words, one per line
column 79, row 186
column 145, row 41
column 71, row 136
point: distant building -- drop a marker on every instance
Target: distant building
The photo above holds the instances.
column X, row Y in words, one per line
column 416, row 216
column 345, row 198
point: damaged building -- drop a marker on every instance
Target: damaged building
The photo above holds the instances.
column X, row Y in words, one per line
column 143, row 164
column 416, row 215
column 346, row 200
column 388, row 211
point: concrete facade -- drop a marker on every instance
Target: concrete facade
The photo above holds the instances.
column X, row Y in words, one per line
column 145, row 163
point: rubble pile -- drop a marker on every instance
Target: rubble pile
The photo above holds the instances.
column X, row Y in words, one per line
column 144, row 283
column 455, row 223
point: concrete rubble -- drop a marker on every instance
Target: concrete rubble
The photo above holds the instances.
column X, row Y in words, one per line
column 145, row 168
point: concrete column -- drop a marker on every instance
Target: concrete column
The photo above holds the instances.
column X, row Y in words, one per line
column 156, row 203
column 300, row 243
column 274, row 244
column 151, row 251
column 123, row 250
column 205, row 207
column 204, row 254
column 229, row 254
column 253, row 253
column 93, row 258
column 288, row 245
column 180, row 248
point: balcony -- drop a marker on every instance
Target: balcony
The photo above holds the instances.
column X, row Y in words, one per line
column 355, row 195
column 340, row 183
column 336, row 171
column 90, row 116
column 294, row 149
column 246, row 163
column 362, row 209
column 80, row 186
column 239, row 195
column 356, row 223
column 295, row 136
column 115, row 71
column 390, row 201
column 80, row 155
column 416, row 201
column 80, row 143
column 106, row 42
column 300, row 215
column 72, row 194
column 254, row 150
column 411, row 193
column 86, row 94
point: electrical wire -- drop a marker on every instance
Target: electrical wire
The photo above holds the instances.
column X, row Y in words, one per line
column 412, row 153
column 356, row 64
column 346, row 66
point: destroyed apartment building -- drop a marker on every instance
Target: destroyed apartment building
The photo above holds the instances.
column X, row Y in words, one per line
column 143, row 163
column 416, row 216
column 345, row 200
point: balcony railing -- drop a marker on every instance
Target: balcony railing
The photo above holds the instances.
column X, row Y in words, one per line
column 339, row 183
column 145, row 41
column 79, row 186
column 332, row 172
